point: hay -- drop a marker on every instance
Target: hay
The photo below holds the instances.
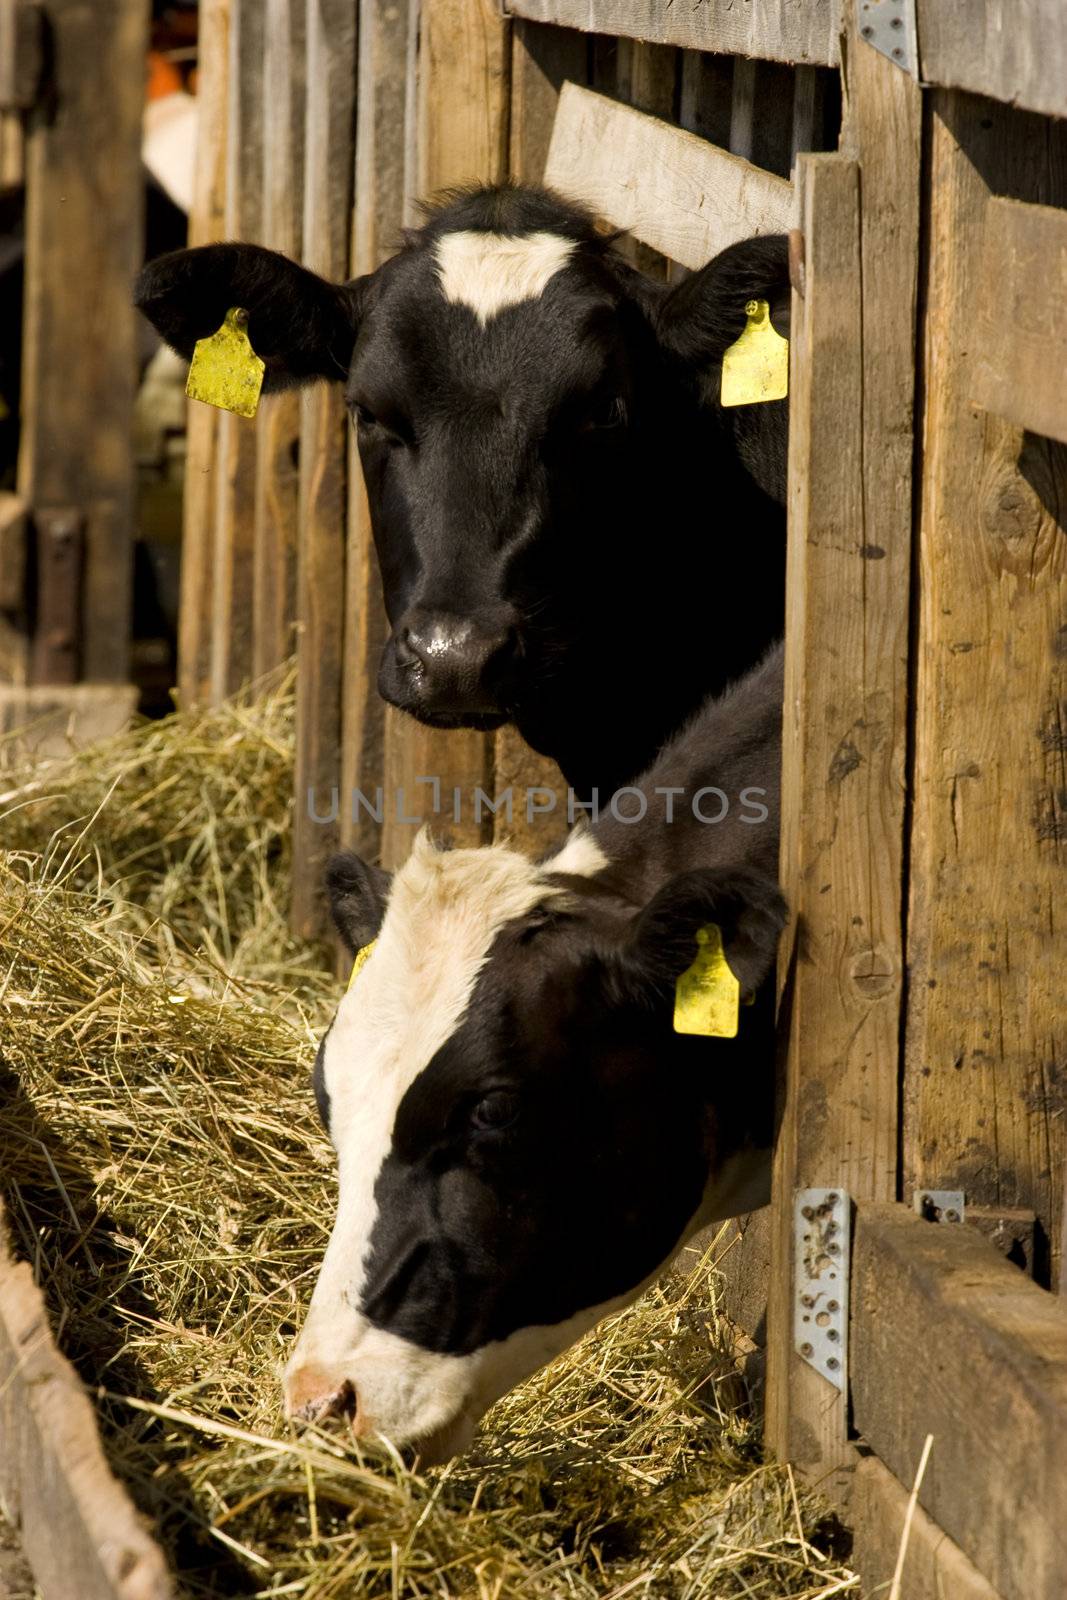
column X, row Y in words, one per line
column 165, row 1174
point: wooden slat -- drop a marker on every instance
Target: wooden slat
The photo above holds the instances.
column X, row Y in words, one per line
column 329, row 158
column 461, row 136
column 1011, row 52
column 1019, row 353
column 847, row 624
column 84, row 242
column 200, row 496
column 702, row 200
column 77, row 1526
column 235, row 504
column 935, row 1568
column 776, row 30
column 704, row 103
column 948, row 1338
column 278, row 444
column 983, row 1104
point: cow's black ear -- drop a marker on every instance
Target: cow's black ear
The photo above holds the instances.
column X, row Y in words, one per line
column 747, row 906
column 302, row 326
column 357, row 893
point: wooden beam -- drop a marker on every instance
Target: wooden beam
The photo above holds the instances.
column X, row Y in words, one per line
column 1019, row 353
column 78, row 1528
column 1011, row 52
column 329, row 156
column 775, row 30
column 982, row 1106
column 702, row 200
column 847, row 623
column 948, row 1338
column 462, row 122
column 206, row 224
column 84, row 243
column 277, row 469
column 935, row 1568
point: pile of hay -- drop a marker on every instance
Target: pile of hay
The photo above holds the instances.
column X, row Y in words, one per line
column 164, row 1172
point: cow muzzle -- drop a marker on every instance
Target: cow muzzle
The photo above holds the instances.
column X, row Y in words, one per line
column 450, row 670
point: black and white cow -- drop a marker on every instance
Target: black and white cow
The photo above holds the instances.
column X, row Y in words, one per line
column 523, row 1140
column 573, row 535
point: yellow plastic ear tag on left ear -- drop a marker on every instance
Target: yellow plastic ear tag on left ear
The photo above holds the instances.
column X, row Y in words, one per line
column 225, row 371
column 707, row 994
column 362, row 957
column 756, row 367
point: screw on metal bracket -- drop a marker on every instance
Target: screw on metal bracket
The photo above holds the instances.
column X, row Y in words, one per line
column 821, row 1227
column 888, row 26
column 939, row 1205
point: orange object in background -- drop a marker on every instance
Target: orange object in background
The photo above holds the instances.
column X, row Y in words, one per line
column 163, row 76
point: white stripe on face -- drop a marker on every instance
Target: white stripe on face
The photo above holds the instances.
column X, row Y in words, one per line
column 445, row 909
column 488, row 271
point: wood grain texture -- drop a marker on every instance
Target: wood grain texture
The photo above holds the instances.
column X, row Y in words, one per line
column 329, row 157
column 78, row 1528
column 947, row 1338
column 207, row 222
column 704, row 101
column 1011, row 52
column 985, row 1086
column 935, row 1568
column 1019, row 358
column 776, row 30
column 277, row 469
column 461, row 135
column 703, row 200
column 233, row 555
column 84, row 204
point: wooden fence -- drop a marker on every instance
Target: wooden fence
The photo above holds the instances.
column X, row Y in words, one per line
column 925, row 775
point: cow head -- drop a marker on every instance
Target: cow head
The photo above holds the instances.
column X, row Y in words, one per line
column 522, row 1140
column 518, row 392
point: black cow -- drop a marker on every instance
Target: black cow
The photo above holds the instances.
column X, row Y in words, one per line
column 523, row 1139
column 573, row 535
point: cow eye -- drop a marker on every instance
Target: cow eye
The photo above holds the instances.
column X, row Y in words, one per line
column 394, row 430
column 609, row 411
column 496, row 1110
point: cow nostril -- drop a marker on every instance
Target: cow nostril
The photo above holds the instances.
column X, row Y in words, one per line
column 318, row 1407
column 407, row 656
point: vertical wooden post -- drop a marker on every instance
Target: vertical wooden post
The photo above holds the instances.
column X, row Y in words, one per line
column 277, row 470
column 983, row 1094
column 206, row 224
column 844, row 734
column 705, row 95
column 329, row 157
column 461, row 135
column 84, row 243
column 235, row 507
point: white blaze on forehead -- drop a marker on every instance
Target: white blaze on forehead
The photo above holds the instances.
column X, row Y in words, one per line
column 488, row 271
column 580, row 857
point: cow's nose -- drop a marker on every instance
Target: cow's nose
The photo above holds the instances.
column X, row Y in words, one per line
column 456, row 660
column 312, row 1395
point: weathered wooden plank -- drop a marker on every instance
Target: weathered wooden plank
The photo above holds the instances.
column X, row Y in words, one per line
column 947, row 1338
column 233, row 553
column 84, row 193
column 777, row 30
column 329, row 164
column 207, row 222
column 461, row 136
column 1011, row 52
column 761, row 114
column 704, row 104
column 78, row 1528
column 935, row 1568
column 1019, row 356
column 277, row 470
column 703, row 199
column 809, row 94
column 983, row 1103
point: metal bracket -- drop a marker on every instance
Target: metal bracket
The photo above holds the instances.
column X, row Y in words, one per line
column 939, row 1205
column 821, row 1229
column 889, row 27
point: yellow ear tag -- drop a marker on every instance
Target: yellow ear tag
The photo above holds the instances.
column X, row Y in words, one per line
column 225, row 371
column 756, row 367
column 362, row 957
column 707, row 994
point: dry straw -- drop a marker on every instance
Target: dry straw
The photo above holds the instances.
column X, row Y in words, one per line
column 164, row 1173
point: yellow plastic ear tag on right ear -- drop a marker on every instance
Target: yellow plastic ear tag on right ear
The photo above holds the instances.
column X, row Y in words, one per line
column 756, row 366
column 225, row 371
column 707, row 994
column 362, row 957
